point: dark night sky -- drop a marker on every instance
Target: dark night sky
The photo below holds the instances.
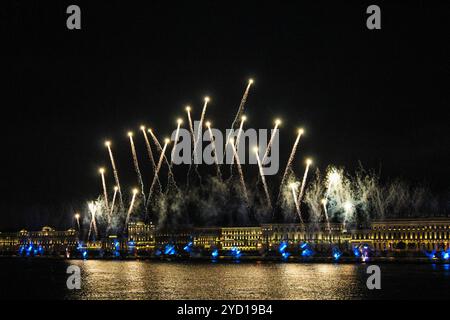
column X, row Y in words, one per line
column 379, row 97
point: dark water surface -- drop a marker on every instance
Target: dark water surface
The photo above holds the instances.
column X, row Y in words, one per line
column 46, row 279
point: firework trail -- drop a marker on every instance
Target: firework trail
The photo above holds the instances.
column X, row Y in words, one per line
column 191, row 126
column 261, row 172
column 241, row 107
column 305, row 175
column 199, row 136
column 93, row 209
column 325, row 210
column 77, row 218
column 105, row 192
column 112, row 205
column 200, row 126
column 130, row 209
column 160, row 149
column 269, row 145
column 116, row 174
column 241, row 175
column 177, row 134
column 150, row 155
column 213, row 142
column 294, row 186
column 136, row 164
column 158, row 167
column 238, row 140
column 289, row 163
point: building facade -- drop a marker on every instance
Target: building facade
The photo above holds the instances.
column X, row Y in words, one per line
column 406, row 235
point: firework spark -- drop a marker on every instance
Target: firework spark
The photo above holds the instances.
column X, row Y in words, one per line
column 325, row 210
column 269, row 145
column 238, row 139
column 77, row 218
column 294, row 187
column 93, row 210
column 302, row 187
column 241, row 107
column 261, row 172
column 213, row 142
column 130, row 209
column 177, row 134
column 289, row 163
column 150, row 154
column 158, row 167
column 105, row 192
column 136, row 164
column 241, row 174
column 160, row 149
column 200, row 126
column 116, row 174
column 112, row 205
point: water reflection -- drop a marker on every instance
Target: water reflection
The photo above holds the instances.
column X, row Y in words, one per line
column 154, row 280
column 46, row 279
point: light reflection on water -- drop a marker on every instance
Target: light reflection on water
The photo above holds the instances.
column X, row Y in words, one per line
column 46, row 279
column 153, row 280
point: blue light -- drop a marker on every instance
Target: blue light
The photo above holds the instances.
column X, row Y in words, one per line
column 445, row 254
column 431, row 255
column 158, row 252
column 188, row 247
column 286, row 255
column 356, row 252
column 84, row 254
column 336, row 253
column 215, row 253
column 306, row 250
column 282, row 247
column 235, row 252
column 169, row 249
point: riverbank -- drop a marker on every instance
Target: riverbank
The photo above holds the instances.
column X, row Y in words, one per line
column 251, row 259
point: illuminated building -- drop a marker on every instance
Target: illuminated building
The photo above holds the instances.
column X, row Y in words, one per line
column 406, row 234
column 207, row 238
column 9, row 242
column 141, row 235
column 245, row 238
column 49, row 240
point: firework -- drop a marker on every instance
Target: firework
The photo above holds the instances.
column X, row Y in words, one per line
column 261, row 172
column 241, row 106
column 200, row 126
column 294, row 186
column 213, row 142
column 136, row 164
column 112, row 204
column 116, row 174
column 158, row 167
column 191, row 126
column 241, row 174
column 77, row 218
column 105, row 192
column 160, row 149
column 272, row 137
column 177, row 134
column 150, row 154
column 289, row 163
column 325, row 210
column 130, row 209
column 93, row 210
column 305, row 175
column 238, row 139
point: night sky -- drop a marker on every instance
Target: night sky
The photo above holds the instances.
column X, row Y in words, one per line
column 379, row 97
